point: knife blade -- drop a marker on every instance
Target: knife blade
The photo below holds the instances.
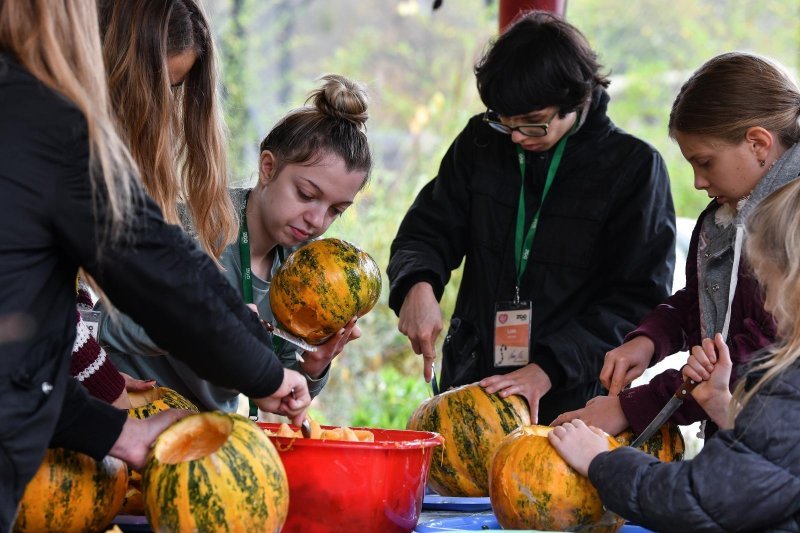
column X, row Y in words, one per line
column 434, row 384
column 288, row 336
column 676, row 401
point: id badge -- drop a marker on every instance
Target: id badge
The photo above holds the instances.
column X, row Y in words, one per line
column 92, row 320
column 512, row 333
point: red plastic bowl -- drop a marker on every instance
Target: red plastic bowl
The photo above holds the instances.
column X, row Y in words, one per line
column 341, row 486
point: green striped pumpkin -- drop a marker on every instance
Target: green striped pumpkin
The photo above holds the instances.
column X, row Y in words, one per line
column 323, row 285
column 72, row 492
column 215, row 472
column 473, row 423
column 145, row 404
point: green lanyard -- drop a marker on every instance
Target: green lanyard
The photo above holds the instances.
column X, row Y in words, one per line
column 244, row 255
column 247, row 280
column 524, row 243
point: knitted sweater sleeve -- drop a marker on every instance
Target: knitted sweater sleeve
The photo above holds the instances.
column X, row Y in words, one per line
column 90, row 364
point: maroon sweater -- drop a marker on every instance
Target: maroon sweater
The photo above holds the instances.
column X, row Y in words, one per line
column 674, row 326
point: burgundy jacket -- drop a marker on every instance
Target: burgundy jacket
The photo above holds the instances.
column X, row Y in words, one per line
column 674, row 326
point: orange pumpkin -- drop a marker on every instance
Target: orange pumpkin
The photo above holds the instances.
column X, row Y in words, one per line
column 532, row 487
column 215, row 472
column 473, row 423
column 321, row 286
column 72, row 492
column 666, row 444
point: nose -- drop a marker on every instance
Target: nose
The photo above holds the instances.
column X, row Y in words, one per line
column 315, row 218
column 700, row 182
column 517, row 137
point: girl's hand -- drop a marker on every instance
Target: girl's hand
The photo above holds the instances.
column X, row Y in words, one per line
column 604, row 412
column 578, row 444
column 316, row 362
column 131, row 385
column 710, row 365
column 626, row 363
column 291, row 399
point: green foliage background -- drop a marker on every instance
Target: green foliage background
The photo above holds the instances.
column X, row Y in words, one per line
column 418, row 67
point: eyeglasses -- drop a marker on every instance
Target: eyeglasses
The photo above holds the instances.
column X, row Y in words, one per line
column 529, row 130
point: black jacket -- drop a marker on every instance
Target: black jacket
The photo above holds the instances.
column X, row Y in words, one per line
column 48, row 228
column 744, row 479
column 602, row 257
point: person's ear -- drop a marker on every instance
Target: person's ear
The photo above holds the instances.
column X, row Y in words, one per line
column 761, row 141
column 266, row 167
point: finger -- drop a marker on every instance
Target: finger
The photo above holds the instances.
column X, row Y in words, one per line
column 711, row 352
column 598, row 431
column 355, row 333
column 608, row 369
column 534, row 407
column 579, row 424
column 690, row 373
column 699, row 355
column 722, row 350
column 618, row 378
column 253, row 308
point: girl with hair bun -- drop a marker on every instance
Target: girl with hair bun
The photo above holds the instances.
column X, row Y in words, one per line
column 311, row 166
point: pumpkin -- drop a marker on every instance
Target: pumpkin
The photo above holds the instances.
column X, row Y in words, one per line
column 147, row 403
column 215, row 472
column 666, row 444
column 532, row 487
column 472, row 423
column 321, row 286
column 343, row 433
column 72, row 492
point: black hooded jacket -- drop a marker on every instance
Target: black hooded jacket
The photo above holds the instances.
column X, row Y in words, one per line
column 603, row 253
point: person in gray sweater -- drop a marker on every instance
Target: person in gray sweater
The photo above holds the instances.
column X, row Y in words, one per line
column 312, row 164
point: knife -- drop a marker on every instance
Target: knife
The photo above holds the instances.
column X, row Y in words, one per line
column 434, row 384
column 683, row 391
column 288, row 336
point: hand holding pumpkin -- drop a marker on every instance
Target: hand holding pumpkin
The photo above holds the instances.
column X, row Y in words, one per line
column 578, row 444
column 316, row 362
column 710, row 364
column 604, row 412
column 420, row 320
column 137, row 435
column 291, row 399
column 625, row 363
column 530, row 382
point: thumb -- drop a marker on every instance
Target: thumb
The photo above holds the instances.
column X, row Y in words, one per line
column 723, row 353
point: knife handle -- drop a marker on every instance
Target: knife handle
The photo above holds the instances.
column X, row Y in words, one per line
column 686, row 387
column 267, row 325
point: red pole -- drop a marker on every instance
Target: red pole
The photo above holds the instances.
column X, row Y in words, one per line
column 509, row 9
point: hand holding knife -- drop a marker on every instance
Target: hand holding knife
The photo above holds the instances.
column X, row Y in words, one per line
column 672, row 405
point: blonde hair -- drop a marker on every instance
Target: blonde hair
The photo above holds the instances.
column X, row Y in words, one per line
column 335, row 123
column 176, row 134
column 57, row 41
column 773, row 247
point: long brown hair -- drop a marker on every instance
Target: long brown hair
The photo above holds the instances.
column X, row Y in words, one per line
column 176, row 134
column 58, row 42
column 773, row 245
column 736, row 91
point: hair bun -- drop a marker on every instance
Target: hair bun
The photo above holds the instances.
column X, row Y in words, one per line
column 341, row 98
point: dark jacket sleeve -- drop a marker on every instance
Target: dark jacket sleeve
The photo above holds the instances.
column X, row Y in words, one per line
column 163, row 281
column 83, row 415
column 745, row 479
column 432, row 238
column 677, row 319
column 638, row 260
